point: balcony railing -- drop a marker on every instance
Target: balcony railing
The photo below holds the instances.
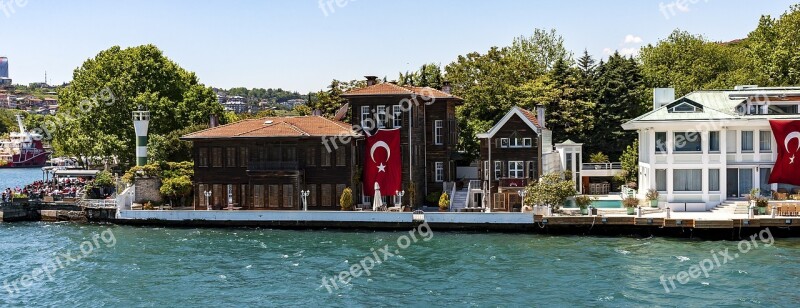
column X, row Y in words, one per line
column 273, row 166
column 513, row 182
column 602, row 166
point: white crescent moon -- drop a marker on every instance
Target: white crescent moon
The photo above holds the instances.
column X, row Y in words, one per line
column 380, row 144
column 789, row 137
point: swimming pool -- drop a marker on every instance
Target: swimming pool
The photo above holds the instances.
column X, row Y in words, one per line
column 600, row 204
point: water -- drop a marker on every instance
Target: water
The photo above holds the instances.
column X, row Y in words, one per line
column 163, row 267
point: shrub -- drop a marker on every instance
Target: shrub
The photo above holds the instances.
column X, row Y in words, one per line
column 433, row 197
column 444, row 201
column 583, row 201
column 652, row 194
column 551, row 189
column 346, row 201
column 104, row 179
column 599, row 158
column 630, row 202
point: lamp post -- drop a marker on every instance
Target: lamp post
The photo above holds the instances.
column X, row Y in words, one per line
column 304, row 194
column 208, row 196
column 400, row 194
column 522, row 193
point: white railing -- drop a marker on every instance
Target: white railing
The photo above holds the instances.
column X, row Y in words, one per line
column 99, row 203
column 452, row 196
column 602, row 166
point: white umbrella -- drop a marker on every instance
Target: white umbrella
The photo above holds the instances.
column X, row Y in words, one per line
column 377, row 202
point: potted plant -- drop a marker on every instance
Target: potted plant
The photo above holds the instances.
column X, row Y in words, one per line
column 631, row 203
column 444, row 202
column 652, row 196
column 583, row 202
column 762, row 203
column 598, row 158
column 346, row 201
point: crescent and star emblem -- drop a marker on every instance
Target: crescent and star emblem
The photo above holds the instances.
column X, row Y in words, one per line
column 380, row 144
column 789, row 137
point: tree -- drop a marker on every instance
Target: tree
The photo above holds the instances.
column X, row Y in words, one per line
column 302, row 110
column 169, row 147
column 329, row 101
column 551, row 189
column 176, row 188
column 630, row 163
column 96, row 106
column 773, row 46
column 444, row 201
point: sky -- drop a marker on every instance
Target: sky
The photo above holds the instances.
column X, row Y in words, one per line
column 301, row 45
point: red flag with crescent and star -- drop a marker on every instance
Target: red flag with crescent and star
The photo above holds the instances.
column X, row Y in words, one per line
column 787, row 166
column 382, row 162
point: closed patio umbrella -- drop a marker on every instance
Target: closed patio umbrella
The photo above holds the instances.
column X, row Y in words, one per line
column 377, row 202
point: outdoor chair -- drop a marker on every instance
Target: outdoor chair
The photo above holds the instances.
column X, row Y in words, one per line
column 791, row 210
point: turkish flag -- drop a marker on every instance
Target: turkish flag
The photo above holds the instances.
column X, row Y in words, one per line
column 787, row 167
column 382, row 163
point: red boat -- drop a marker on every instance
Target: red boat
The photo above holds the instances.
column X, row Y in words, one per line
column 24, row 149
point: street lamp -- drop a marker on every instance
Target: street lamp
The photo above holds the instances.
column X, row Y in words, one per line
column 522, row 193
column 400, row 194
column 208, row 196
column 304, row 194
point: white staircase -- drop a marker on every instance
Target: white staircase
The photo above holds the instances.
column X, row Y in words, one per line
column 459, row 200
column 731, row 207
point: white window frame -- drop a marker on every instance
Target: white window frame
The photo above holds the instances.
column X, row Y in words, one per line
column 762, row 141
column 364, row 115
column 439, row 171
column 752, row 141
column 397, row 116
column 486, row 173
column 498, row 169
column 504, row 142
column 527, row 142
column 380, row 112
column 438, row 126
column 516, row 169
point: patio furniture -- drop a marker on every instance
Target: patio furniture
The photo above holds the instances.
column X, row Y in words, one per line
column 791, row 210
column 781, row 196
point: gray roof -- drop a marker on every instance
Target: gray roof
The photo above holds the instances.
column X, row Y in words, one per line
column 716, row 105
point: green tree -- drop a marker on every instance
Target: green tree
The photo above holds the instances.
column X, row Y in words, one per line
column 329, row 101
column 773, row 46
column 169, row 147
column 98, row 102
column 346, row 200
column 551, row 189
column 630, row 163
column 176, row 188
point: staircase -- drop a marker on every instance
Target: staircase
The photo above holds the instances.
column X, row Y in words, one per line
column 459, row 200
column 732, row 207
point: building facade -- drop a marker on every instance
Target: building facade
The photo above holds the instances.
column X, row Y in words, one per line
column 511, row 155
column 264, row 164
column 427, row 122
column 711, row 146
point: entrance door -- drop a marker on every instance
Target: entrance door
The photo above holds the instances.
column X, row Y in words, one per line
column 733, row 183
column 763, row 179
column 745, row 181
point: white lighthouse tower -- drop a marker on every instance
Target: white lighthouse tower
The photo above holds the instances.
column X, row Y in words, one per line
column 141, row 121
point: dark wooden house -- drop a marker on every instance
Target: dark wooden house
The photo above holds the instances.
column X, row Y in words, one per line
column 511, row 156
column 263, row 164
column 426, row 118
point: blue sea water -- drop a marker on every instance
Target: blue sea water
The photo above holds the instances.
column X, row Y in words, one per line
column 166, row 267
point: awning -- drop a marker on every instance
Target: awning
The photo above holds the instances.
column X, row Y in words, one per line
column 76, row 173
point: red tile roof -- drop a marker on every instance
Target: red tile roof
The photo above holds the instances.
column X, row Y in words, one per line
column 531, row 116
column 298, row 126
column 387, row 88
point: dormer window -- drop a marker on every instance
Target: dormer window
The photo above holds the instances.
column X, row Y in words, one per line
column 684, row 107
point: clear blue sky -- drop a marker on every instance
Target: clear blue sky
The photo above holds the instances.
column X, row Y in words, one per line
column 294, row 45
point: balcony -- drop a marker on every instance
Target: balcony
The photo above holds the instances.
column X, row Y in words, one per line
column 273, row 166
column 601, row 169
column 513, row 183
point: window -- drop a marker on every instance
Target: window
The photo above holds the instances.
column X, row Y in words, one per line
column 258, row 196
column 311, row 156
column 504, row 142
column 397, row 116
column 364, row 116
column 216, row 157
column 289, row 154
column 713, row 141
column 687, row 180
column 326, row 195
column 527, row 142
column 274, row 195
column 381, row 116
column 516, row 170
column 438, row 126
column 498, row 169
column 439, row 171
column 243, row 158
column 713, row 179
column 486, row 173
column 782, row 109
column 685, row 107
column 765, row 141
column 661, row 142
column 747, row 141
column 531, row 169
column 661, row 179
column 230, row 157
column 688, row 142
column 288, row 196
column 341, row 158
column 202, row 157
column 312, row 195
column 325, row 159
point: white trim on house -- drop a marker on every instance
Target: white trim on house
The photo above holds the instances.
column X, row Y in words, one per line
column 514, row 111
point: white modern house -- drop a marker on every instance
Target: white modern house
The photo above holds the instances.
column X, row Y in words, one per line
column 711, row 146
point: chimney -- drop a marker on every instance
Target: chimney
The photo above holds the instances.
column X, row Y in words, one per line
column 540, row 116
column 212, row 121
column 662, row 96
column 446, row 88
column 371, row 80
